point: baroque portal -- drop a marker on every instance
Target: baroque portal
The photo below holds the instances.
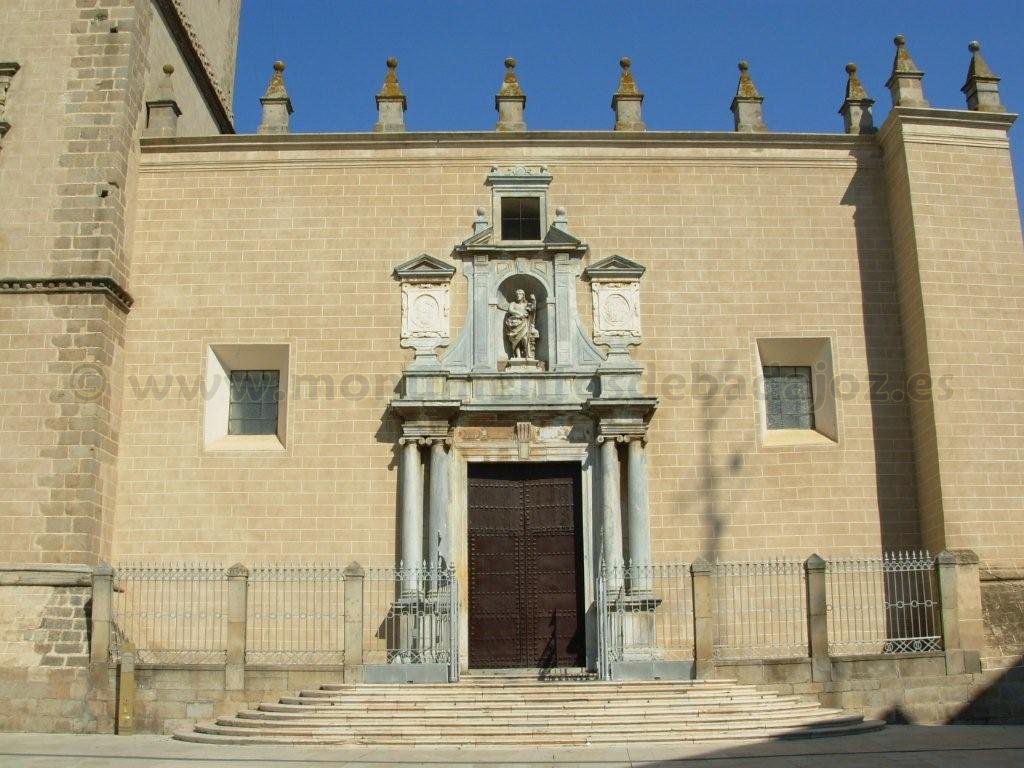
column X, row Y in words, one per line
column 523, row 380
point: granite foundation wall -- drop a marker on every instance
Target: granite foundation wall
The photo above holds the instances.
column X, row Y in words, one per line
column 911, row 688
column 44, row 651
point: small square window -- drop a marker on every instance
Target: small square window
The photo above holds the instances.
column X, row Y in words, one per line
column 253, row 404
column 246, row 405
column 520, row 218
column 789, row 397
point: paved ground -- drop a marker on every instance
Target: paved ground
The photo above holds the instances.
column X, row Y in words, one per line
column 895, row 747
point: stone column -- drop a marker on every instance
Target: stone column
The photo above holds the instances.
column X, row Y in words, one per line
column 638, row 514
column 412, row 510
column 437, row 524
column 817, row 619
column 102, row 597
column 703, row 619
column 237, row 592
column 611, row 511
column 354, row 578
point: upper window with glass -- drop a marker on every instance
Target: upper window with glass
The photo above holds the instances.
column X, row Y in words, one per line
column 520, row 218
column 253, row 406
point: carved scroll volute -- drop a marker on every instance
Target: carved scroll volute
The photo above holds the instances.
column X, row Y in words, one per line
column 426, row 308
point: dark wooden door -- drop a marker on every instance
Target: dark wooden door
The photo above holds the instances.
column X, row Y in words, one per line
column 525, row 595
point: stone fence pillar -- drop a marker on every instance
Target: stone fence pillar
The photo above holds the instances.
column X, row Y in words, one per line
column 817, row 619
column 959, row 586
column 102, row 607
column 237, row 594
column 354, row 578
column 703, row 619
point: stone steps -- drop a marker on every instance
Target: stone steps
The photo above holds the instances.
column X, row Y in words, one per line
column 445, row 709
column 517, row 710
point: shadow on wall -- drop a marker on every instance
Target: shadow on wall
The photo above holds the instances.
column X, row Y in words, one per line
column 895, row 480
column 1000, row 701
column 715, row 405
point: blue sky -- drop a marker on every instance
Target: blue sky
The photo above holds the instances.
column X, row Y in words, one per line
column 684, row 56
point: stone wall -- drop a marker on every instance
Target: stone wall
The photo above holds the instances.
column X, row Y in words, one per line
column 44, row 652
column 897, row 689
column 76, row 107
column 296, row 246
column 958, row 252
column 1002, row 604
column 169, row 700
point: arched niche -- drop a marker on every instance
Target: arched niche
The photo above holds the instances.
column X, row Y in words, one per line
column 506, row 292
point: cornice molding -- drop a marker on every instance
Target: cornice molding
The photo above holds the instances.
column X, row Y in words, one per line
column 63, row 285
column 198, row 62
column 493, row 139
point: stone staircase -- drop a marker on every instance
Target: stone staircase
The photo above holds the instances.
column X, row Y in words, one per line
column 489, row 710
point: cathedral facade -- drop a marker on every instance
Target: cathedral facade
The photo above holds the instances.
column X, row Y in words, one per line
column 521, row 358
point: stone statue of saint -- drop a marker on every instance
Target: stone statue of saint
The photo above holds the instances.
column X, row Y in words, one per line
column 521, row 326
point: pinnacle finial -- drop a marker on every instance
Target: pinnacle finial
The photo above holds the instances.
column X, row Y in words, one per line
column 856, row 108
column 627, row 85
column 902, row 61
column 510, row 101
column 391, row 89
column 275, row 88
column 854, row 88
column 745, row 87
column 277, row 106
column 982, row 85
column 904, row 82
column 626, row 101
column 391, row 102
column 162, row 111
column 510, row 84
column 747, row 103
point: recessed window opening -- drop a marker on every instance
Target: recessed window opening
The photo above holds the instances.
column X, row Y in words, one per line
column 520, row 218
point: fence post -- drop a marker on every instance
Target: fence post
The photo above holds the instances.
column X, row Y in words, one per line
column 817, row 619
column 945, row 571
column 102, row 599
column 354, row 577
column 237, row 588
column 703, row 619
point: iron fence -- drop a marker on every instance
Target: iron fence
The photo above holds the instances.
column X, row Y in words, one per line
column 171, row 614
column 644, row 612
column 411, row 616
column 886, row 604
column 760, row 609
column 295, row 615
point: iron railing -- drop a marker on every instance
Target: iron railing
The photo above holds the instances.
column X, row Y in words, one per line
column 411, row 616
column 172, row 614
column 760, row 609
column 295, row 615
column 644, row 612
column 886, row 604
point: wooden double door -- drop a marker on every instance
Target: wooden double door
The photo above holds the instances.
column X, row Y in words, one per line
column 525, row 566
